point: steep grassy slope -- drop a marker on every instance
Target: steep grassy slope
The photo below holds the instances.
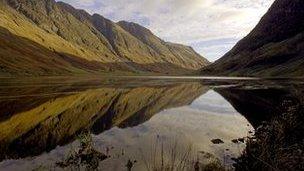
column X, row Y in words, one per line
column 275, row 47
column 21, row 56
column 67, row 31
column 21, row 26
column 169, row 52
column 138, row 44
column 26, row 49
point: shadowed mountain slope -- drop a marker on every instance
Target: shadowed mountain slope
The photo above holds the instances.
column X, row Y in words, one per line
column 275, row 47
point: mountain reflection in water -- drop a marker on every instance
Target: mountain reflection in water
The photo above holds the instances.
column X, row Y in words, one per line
column 130, row 119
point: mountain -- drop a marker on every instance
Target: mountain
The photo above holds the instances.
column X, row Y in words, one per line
column 170, row 52
column 45, row 37
column 275, row 47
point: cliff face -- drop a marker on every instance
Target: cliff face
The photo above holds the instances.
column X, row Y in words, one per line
column 74, row 37
column 275, row 47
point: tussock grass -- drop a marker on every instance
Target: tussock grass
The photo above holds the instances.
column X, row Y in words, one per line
column 278, row 144
column 176, row 156
column 84, row 157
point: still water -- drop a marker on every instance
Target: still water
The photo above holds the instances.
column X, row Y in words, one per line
column 121, row 123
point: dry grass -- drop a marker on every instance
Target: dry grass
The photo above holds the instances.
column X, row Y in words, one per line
column 175, row 156
column 84, row 157
column 278, row 144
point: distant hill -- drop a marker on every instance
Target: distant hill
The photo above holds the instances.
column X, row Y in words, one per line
column 275, row 47
column 45, row 37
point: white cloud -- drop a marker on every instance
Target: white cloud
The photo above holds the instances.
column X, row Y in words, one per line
column 81, row 3
column 185, row 21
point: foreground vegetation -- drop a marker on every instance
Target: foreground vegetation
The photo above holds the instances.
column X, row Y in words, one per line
column 278, row 143
column 163, row 156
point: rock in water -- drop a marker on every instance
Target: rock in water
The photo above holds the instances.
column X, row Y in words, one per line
column 217, row 141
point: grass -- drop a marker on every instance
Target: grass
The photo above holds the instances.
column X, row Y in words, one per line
column 278, row 144
column 85, row 157
column 162, row 156
column 171, row 156
column 174, row 156
column 21, row 26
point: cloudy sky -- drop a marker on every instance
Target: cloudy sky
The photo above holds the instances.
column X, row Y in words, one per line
column 211, row 27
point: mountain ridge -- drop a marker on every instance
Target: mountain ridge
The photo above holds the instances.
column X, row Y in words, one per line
column 68, row 31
